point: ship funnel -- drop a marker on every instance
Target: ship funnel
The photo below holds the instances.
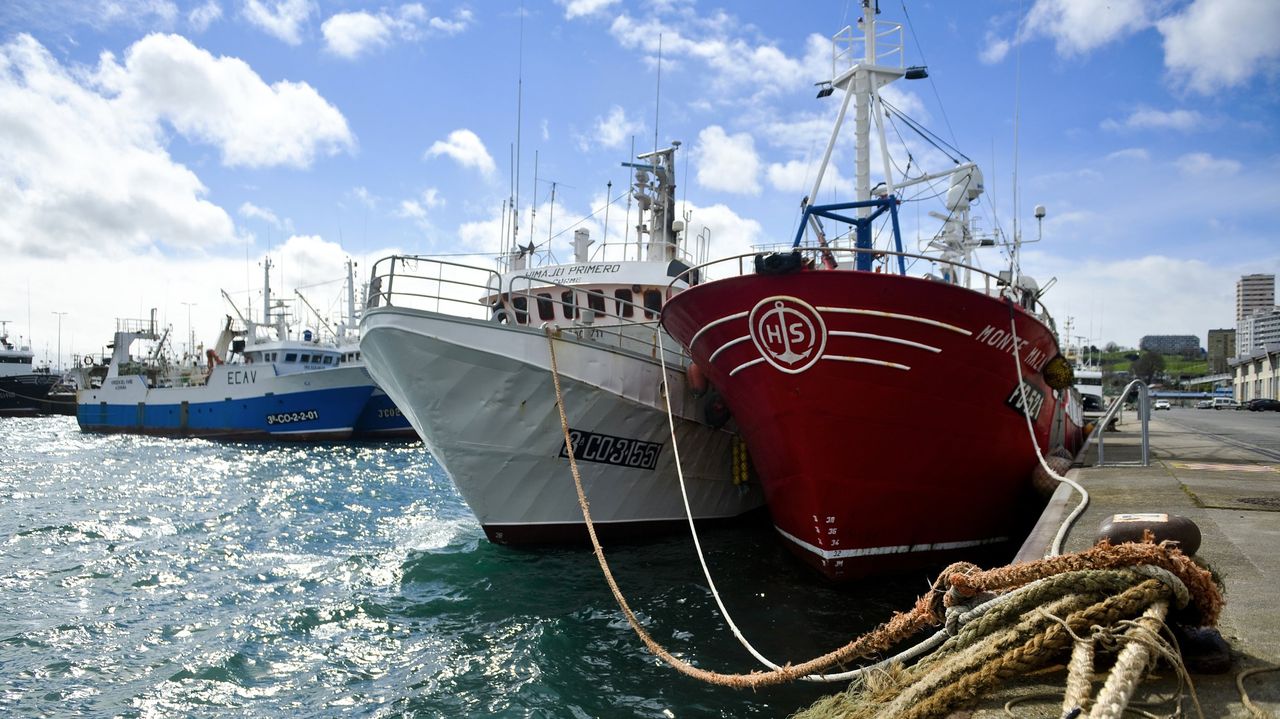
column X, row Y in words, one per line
column 581, row 245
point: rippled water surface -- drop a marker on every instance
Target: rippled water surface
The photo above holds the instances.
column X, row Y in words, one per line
column 146, row 577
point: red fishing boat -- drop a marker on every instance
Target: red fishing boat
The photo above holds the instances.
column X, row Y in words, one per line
column 891, row 419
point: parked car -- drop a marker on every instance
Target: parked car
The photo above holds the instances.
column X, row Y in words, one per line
column 1161, row 404
column 1263, row 405
column 1224, row 403
column 1204, row 404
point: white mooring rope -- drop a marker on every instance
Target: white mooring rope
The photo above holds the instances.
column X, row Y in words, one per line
column 1056, row 548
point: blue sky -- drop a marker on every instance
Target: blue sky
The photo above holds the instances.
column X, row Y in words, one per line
column 152, row 151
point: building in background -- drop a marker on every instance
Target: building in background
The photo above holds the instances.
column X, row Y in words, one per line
column 1254, row 293
column 1257, row 374
column 1171, row 344
column 1259, row 329
column 1221, row 346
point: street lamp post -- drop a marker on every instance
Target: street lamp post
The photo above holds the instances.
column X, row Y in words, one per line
column 59, row 361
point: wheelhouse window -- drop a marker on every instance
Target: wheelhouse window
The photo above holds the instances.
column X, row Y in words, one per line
column 595, row 300
column 328, row 359
column 546, row 307
column 291, row 357
column 521, row 304
column 304, row 359
column 652, row 303
column 568, row 305
column 624, row 298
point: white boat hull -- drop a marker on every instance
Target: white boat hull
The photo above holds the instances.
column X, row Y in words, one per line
column 481, row 395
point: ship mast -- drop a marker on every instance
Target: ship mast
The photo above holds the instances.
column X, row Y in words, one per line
column 861, row 83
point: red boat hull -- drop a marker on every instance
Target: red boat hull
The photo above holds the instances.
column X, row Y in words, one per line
column 880, row 410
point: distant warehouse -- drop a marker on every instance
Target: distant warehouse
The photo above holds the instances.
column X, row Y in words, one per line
column 1170, row 344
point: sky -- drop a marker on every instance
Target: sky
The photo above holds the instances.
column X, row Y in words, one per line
column 152, row 152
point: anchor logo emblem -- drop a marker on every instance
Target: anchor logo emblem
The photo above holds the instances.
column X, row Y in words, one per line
column 789, row 333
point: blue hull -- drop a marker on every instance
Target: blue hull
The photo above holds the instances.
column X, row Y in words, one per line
column 316, row 414
column 382, row 419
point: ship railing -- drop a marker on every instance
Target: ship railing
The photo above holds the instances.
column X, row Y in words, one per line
column 628, row 251
column 134, row 326
column 592, row 315
column 429, row 283
column 849, row 47
column 1144, row 417
column 462, row 290
column 812, row 256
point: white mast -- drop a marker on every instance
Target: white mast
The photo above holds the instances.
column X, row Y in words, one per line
column 861, row 82
column 351, row 294
column 266, row 290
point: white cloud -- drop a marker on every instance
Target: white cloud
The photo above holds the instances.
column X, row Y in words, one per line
column 253, row 212
column 731, row 234
column 736, row 64
column 579, row 8
column 1079, row 26
column 350, row 34
column 1130, row 153
column 222, row 101
column 461, row 20
column 250, row 210
column 1143, row 295
column 466, row 149
column 282, row 19
column 92, row 294
column 137, row 12
column 995, row 49
column 1146, row 118
column 1202, row 163
column 202, row 16
column 796, row 176
column 484, row 235
column 616, row 128
column 728, row 162
column 416, row 208
column 81, row 171
column 1216, row 44
column 364, row 197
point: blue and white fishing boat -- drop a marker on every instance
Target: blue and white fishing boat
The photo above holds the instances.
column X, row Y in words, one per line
column 258, row 383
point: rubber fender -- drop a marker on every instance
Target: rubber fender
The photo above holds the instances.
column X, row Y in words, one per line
column 697, row 379
column 716, row 411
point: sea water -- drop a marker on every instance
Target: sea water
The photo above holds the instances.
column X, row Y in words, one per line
column 152, row 577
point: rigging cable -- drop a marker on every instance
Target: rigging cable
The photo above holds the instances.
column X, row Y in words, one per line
column 920, row 51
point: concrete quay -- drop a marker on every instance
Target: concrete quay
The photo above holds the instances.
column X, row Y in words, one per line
column 1230, row 487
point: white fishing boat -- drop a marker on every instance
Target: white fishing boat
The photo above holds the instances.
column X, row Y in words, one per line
column 465, row 352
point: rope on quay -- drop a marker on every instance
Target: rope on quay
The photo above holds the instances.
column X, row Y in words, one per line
column 997, row 624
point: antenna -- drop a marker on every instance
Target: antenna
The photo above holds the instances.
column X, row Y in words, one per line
column 515, row 205
column 1017, row 111
column 533, row 204
column 626, row 227
column 657, row 96
column 608, row 200
column 551, row 214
